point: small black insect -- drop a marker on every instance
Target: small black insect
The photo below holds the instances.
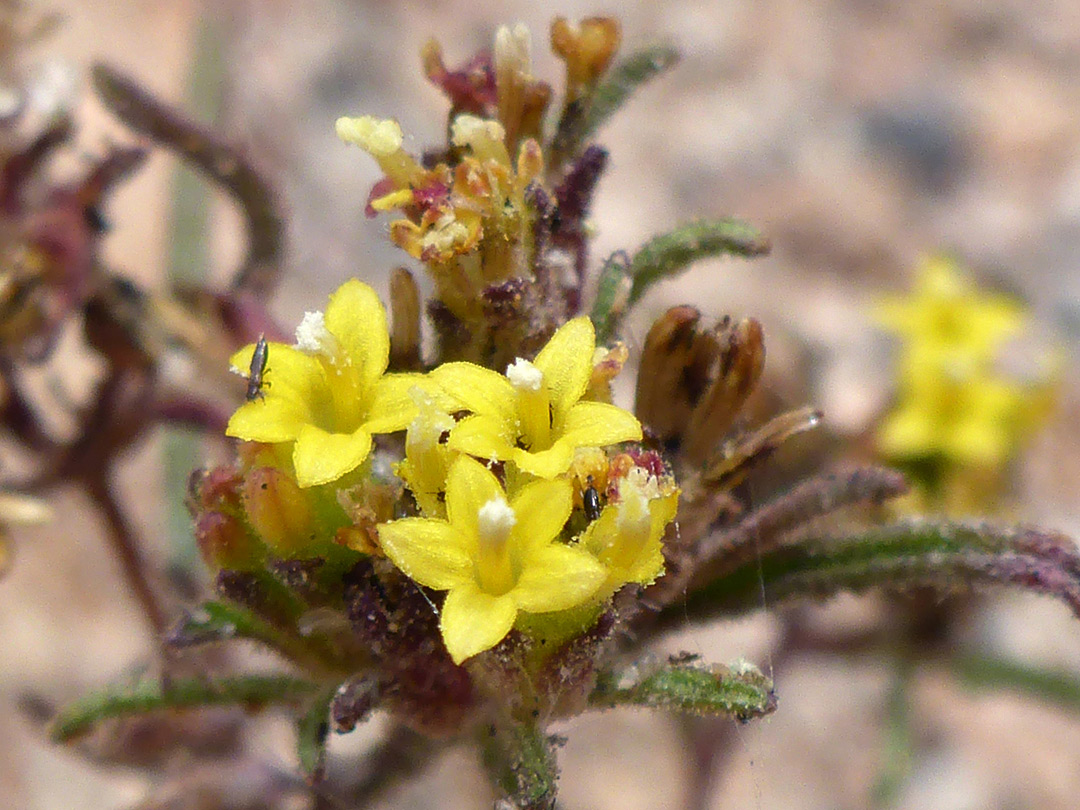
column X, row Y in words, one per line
column 258, row 366
column 590, row 498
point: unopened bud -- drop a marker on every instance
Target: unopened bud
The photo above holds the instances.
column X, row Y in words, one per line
column 741, row 360
column 662, row 403
column 216, row 488
column 225, row 544
column 586, row 47
column 279, row 511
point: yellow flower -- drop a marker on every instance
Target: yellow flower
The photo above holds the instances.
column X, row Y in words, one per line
column 627, row 536
column 977, row 421
column 534, row 415
column 451, row 212
column 18, row 510
column 947, row 323
column 952, row 401
column 427, row 458
column 494, row 558
column 329, row 393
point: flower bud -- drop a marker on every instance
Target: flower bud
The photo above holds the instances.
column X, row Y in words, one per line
column 279, row 511
column 586, row 47
column 225, row 543
column 216, row 488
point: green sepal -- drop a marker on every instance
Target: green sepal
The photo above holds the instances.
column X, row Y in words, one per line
column 145, row 696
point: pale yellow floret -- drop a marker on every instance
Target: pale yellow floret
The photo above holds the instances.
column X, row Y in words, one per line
column 486, row 139
column 380, row 138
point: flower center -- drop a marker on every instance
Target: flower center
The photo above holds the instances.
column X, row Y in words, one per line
column 494, row 567
column 345, row 406
column 534, row 404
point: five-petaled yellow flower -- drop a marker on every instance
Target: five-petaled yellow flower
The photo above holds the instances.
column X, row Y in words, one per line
column 534, row 416
column 952, row 401
column 493, row 557
column 949, row 327
column 627, row 537
column 329, row 393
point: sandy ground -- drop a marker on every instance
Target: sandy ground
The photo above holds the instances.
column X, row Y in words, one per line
column 857, row 134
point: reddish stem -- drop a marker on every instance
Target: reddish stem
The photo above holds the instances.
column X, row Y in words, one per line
column 132, row 562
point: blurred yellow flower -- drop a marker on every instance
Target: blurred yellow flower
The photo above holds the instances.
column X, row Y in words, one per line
column 953, row 403
column 534, row 416
column 495, row 558
column 18, row 510
column 329, row 393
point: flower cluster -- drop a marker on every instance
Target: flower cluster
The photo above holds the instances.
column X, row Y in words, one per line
column 485, row 476
column 465, row 533
column 955, row 407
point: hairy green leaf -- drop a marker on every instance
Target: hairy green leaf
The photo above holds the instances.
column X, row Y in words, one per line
column 221, row 621
column 1057, row 687
column 943, row 555
column 670, row 253
column 148, row 695
column 311, row 733
column 684, row 686
column 612, row 295
column 626, row 76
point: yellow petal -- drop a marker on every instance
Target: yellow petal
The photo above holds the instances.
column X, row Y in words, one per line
column 478, row 389
column 481, row 436
column 432, row 552
column 909, row 432
column 268, row 420
column 542, row 509
column 356, row 317
column 292, row 381
column 662, row 511
column 320, row 457
column 392, row 406
column 556, row 578
column 473, row 621
column 547, row 463
column 646, row 568
column 597, row 424
column 566, row 362
column 469, row 485
column 600, row 534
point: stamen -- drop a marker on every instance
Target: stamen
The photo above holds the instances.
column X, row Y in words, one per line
column 534, row 404
column 524, row 376
column 495, row 520
column 312, row 336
